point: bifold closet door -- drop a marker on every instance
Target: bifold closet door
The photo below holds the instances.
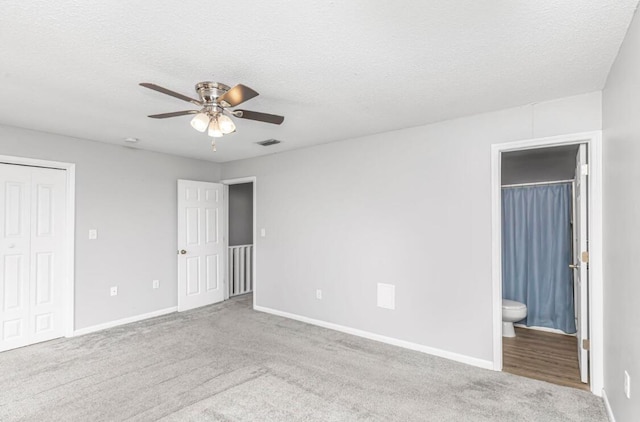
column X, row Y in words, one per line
column 32, row 254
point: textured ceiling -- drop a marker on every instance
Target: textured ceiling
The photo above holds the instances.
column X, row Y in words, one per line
column 336, row 70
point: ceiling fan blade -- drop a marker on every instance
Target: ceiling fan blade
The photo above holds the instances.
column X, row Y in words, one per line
column 174, row 114
column 171, row 93
column 236, row 95
column 261, row 117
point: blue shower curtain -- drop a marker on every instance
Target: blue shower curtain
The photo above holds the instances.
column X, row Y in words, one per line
column 536, row 253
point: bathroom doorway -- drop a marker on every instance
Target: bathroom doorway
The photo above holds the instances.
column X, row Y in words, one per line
column 543, row 225
column 541, row 259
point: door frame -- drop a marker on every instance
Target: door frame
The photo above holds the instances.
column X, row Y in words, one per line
column 238, row 181
column 595, row 287
column 69, row 284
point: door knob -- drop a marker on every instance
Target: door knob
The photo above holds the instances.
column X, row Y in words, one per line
column 182, row 252
column 574, row 266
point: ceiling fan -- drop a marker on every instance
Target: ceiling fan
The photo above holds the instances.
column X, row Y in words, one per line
column 215, row 100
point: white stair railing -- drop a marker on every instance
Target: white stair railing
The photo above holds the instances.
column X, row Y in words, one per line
column 240, row 269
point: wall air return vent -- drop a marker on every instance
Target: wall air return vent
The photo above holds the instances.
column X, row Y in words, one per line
column 268, row 142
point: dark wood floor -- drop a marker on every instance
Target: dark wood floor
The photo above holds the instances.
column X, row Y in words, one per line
column 544, row 356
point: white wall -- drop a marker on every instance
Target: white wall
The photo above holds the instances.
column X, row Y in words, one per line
column 129, row 195
column 241, row 214
column 410, row 207
column 539, row 165
column 621, row 113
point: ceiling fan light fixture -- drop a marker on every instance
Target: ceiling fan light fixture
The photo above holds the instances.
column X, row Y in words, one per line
column 200, row 122
column 225, row 124
column 215, row 100
column 214, row 128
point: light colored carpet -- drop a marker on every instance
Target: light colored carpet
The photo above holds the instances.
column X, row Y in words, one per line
column 227, row 362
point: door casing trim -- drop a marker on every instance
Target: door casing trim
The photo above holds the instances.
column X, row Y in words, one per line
column 254, row 263
column 596, row 290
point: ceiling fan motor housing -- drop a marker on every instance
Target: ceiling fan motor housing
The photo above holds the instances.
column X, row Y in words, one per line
column 215, row 98
column 210, row 91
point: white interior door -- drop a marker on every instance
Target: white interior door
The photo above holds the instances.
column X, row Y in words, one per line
column 200, row 244
column 32, row 254
column 581, row 260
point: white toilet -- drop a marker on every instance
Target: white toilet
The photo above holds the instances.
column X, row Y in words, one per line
column 512, row 311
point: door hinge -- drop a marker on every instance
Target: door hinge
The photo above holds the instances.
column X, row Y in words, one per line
column 584, row 170
column 585, row 256
column 586, row 344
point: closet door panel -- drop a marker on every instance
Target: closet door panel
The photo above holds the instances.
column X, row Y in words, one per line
column 48, row 270
column 32, row 254
column 15, row 222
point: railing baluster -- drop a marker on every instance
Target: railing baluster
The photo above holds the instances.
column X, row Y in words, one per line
column 241, row 252
column 249, row 273
column 240, row 269
column 230, row 271
column 237, row 267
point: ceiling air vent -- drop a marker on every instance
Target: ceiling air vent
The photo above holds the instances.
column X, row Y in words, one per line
column 268, row 142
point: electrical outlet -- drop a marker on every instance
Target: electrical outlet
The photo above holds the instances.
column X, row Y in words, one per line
column 318, row 294
column 114, row 290
column 627, row 385
column 263, row 232
column 93, row 234
column 156, row 284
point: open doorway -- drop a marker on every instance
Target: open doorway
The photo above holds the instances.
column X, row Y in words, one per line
column 241, row 237
column 575, row 258
column 544, row 229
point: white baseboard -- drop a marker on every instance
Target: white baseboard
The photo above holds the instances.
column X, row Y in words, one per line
column 607, row 406
column 123, row 321
column 485, row 364
column 545, row 329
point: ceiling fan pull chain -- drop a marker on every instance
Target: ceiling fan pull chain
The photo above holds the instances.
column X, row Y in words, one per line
column 213, row 145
